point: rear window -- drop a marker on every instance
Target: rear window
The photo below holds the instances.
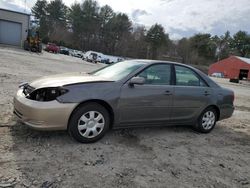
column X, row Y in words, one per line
column 187, row 77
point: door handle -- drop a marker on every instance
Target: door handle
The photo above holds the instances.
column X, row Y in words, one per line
column 167, row 92
column 206, row 93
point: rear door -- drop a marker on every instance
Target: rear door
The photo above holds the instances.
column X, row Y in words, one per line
column 191, row 95
column 148, row 103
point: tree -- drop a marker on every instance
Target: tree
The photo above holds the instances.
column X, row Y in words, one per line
column 137, row 45
column 39, row 9
column 105, row 15
column 204, row 46
column 119, row 29
column 87, row 26
column 76, row 24
column 57, row 12
column 40, row 13
column 56, row 15
column 241, row 43
column 156, row 38
column 90, row 23
column 184, row 50
column 222, row 45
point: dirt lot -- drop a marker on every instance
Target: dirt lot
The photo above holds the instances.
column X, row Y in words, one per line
column 150, row 157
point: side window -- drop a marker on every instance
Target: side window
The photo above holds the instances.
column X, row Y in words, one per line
column 187, row 77
column 159, row 74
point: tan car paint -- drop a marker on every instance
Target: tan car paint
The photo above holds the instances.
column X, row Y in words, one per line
column 50, row 115
column 64, row 79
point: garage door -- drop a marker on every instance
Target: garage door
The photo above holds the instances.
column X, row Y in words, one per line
column 10, row 33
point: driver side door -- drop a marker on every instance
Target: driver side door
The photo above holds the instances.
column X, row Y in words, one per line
column 151, row 102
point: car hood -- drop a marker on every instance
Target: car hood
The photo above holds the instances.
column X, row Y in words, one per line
column 66, row 79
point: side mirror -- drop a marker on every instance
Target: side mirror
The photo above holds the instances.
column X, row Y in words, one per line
column 137, row 80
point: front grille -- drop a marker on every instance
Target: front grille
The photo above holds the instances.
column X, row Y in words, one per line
column 27, row 89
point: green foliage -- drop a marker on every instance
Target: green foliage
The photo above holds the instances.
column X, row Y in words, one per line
column 98, row 28
column 57, row 11
column 202, row 43
column 119, row 29
column 40, row 12
column 156, row 38
column 75, row 17
column 156, row 35
column 119, row 25
column 90, row 16
column 222, row 45
column 184, row 50
column 207, row 49
column 45, row 40
column 241, row 43
column 137, row 45
column 105, row 35
column 106, row 14
column 40, row 9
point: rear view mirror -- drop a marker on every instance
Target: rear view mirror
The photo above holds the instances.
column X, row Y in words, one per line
column 137, row 80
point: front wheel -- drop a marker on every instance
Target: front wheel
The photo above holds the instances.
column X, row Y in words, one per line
column 26, row 45
column 89, row 123
column 207, row 120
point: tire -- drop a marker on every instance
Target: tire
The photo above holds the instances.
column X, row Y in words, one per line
column 40, row 48
column 207, row 120
column 89, row 123
column 26, row 45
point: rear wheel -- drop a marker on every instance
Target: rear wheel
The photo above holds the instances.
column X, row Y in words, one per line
column 40, row 47
column 207, row 120
column 89, row 123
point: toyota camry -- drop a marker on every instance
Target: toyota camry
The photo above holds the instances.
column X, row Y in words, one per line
column 134, row 93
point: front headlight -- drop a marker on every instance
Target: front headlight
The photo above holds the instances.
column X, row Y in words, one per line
column 22, row 85
column 47, row 94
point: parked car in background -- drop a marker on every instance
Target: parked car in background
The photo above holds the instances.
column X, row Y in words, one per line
column 64, row 50
column 113, row 59
column 51, row 47
column 105, row 61
column 135, row 93
column 71, row 51
column 77, row 53
column 217, row 74
column 92, row 56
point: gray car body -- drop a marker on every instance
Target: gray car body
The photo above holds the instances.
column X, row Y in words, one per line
column 152, row 105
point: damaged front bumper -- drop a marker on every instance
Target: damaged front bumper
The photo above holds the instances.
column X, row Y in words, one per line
column 42, row 115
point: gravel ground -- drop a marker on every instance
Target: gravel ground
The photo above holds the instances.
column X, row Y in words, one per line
column 149, row 157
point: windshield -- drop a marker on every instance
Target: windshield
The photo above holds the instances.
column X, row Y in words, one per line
column 119, row 70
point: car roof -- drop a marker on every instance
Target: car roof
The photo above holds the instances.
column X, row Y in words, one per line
column 149, row 61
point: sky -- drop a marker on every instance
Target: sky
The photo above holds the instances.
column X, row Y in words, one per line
column 180, row 18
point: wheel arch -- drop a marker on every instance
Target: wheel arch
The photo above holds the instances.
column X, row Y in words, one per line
column 100, row 102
